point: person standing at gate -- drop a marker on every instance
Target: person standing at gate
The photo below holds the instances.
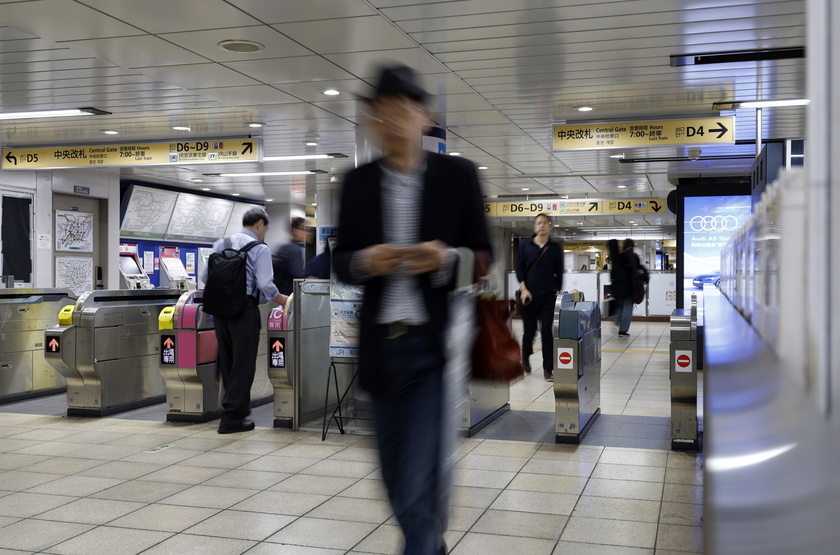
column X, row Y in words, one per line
column 539, row 269
column 401, row 219
column 237, row 338
column 288, row 261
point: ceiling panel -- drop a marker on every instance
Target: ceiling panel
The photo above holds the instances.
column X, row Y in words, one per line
column 351, row 34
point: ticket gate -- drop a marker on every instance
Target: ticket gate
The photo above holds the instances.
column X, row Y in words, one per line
column 107, row 347
column 577, row 368
column 25, row 314
column 188, row 361
column 686, row 346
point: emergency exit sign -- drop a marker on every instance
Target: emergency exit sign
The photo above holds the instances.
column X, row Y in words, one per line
column 645, row 133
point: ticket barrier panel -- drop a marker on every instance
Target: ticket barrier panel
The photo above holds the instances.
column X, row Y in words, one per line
column 107, row 347
column 25, row 314
column 686, row 334
column 281, row 353
column 577, row 368
column 188, row 361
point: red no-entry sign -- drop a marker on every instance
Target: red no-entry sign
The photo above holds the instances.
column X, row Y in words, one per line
column 565, row 358
column 683, row 361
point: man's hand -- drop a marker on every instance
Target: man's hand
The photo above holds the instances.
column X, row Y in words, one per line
column 424, row 257
column 524, row 295
column 281, row 299
column 385, row 258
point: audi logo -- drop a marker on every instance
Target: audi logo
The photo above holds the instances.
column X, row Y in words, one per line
column 713, row 223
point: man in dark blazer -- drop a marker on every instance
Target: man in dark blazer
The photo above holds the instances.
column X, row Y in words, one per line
column 401, row 219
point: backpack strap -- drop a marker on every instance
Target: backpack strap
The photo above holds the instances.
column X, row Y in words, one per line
column 245, row 249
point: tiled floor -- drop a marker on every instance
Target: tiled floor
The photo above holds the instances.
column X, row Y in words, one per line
column 118, row 486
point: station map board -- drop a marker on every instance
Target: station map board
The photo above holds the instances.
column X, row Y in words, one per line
column 147, row 212
column 198, row 219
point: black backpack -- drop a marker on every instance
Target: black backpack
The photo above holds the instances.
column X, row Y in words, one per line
column 225, row 290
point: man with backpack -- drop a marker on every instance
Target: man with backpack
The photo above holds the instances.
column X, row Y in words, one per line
column 238, row 278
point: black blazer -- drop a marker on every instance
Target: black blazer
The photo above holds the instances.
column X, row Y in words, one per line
column 452, row 211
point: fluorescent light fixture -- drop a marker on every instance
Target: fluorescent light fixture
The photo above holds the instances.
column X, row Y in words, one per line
column 205, row 188
column 482, row 167
column 258, row 174
column 331, row 92
column 525, row 189
column 622, row 186
column 583, row 108
column 303, row 157
column 53, row 113
column 619, row 156
column 255, row 124
column 234, row 194
column 735, row 104
column 181, row 127
column 314, row 204
column 311, row 143
column 454, row 153
column 720, row 464
column 269, row 200
column 109, row 131
column 196, row 180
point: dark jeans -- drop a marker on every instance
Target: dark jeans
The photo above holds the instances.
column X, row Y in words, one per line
column 408, row 416
column 540, row 309
column 237, row 340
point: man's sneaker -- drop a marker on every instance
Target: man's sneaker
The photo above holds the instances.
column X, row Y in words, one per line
column 549, row 375
column 623, row 334
column 526, row 364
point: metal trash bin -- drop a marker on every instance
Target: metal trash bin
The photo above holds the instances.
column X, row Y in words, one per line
column 686, row 344
column 577, row 368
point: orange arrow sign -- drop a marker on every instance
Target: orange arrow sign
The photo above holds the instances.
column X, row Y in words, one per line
column 168, row 343
column 53, row 344
column 277, row 346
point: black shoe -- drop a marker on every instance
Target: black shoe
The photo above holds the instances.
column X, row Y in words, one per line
column 549, row 375
column 526, row 364
column 241, row 426
column 623, row 334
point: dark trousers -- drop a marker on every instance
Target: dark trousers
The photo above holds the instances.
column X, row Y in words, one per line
column 237, row 340
column 408, row 416
column 540, row 309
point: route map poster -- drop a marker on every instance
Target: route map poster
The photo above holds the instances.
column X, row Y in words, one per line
column 198, row 219
column 147, row 212
column 73, row 231
column 74, row 273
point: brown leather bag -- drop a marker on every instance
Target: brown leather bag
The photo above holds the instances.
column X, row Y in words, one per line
column 496, row 355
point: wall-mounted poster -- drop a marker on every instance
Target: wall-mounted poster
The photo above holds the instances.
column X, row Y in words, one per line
column 147, row 212
column 73, row 231
column 199, row 219
column 74, row 273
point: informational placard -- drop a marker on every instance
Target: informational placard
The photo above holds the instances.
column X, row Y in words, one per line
column 167, row 349
column 73, row 231
column 345, row 307
column 645, row 133
column 210, row 151
column 147, row 212
column 576, row 208
column 74, row 273
column 277, row 351
column 198, row 219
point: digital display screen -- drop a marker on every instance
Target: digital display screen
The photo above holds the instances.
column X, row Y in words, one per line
column 129, row 267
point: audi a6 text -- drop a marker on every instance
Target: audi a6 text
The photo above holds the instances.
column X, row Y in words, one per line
column 713, row 278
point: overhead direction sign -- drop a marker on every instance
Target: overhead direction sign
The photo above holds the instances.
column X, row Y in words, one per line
column 645, row 133
column 211, row 151
column 580, row 207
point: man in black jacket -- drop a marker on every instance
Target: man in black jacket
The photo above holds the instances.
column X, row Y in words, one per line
column 400, row 220
column 539, row 269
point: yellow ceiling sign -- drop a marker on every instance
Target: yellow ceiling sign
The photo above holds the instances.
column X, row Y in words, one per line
column 637, row 206
column 645, row 133
column 585, row 207
column 212, row 151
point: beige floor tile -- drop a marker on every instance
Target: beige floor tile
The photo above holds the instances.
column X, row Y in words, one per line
column 307, row 450
column 354, row 510
column 20, row 480
column 683, row 493
column 576, row 548
column 343, row 469
column 506, row 448
column 564, row 452
column 25, row 505
column 385, row 540
column 45, row 434
column 76, row 485
column 547, row 483
column 366, row 488
column 209, row 496
column 687, row 514
column 105, row 540
column 610, row 532
column 463, row 518
column 145, row 441
column 177, row 474
column 484, row 544
column 689, row 476
column 285, row 549
column 629, row 472
column 559, row 468
column 311, row 532
column 680, row 538
column 639, row 457
column 468, row 496
column 186, row 543
column 269, row 463
column 248, row 479
column 250, row 447
column 91, row 511
column 535, row 502
column 356, row 453
column 241, row 525
column 12, row 461
column 648, row 491
column 281, row 503
column 6, row 520
column 515, row 523
column 53, row 448
column 489, row 462
column 108, row 452
column 63, row 465
column 685, row 459
column 164, row 518
column 170, row 455
column 34, row 535
column 202, row 443
column 482, row 478
column 217, row 459
column 323, row 485
column 143, row 492
column 617, row 509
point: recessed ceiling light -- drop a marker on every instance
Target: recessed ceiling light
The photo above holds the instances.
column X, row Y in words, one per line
column 259, row 174
column 181, row 127
column 269, row 200
column 525, row 189
column 311, row 143
column 314, row 204
column 53, row 113
column 619, row 156
column 255, row 124
column 241, row 46
column 109, row 131
column 197, row 180
column 205, row 188
column 482, row 167
column 303, row 157
column 234, row 194
column 583, row 108
column 454, row 153
column 331, row 92
column 631, row 221
column 622, row 186
column 635, row 224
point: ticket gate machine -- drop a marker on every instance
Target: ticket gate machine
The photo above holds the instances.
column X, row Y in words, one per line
column 188, row 361
column 107, row 347
column 173, row 275
column 577, row 368
column 132, row 275
column 25, row 314
column 686, row 346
